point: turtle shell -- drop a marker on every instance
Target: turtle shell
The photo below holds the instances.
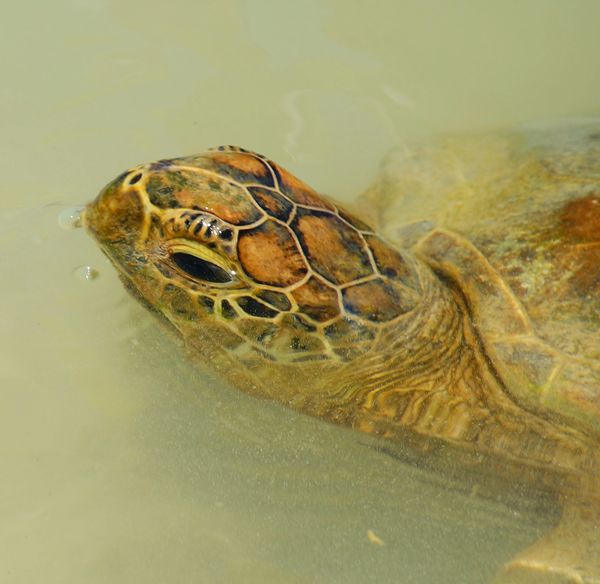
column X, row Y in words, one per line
column 513, row 219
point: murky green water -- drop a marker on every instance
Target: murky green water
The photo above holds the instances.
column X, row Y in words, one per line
column 120, row 462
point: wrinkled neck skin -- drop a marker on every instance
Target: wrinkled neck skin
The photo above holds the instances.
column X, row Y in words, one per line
column 316, row 310
column 430, row 375
column 426, row 373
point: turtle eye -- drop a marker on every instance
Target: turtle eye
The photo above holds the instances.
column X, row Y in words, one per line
column 201, row 269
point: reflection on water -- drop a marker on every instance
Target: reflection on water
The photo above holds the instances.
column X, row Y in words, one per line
column 123, row 463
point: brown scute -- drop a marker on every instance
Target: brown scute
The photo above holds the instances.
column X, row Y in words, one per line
column 374, row 300
column 258, row 331
column 183, row 188
column 334, row 249
column 298, row 191
column 241, row 167
column 253, row 307
column 317, row 300
column 296, row 322
column 305, row 343
column 276, row 299
column 272, row 202
column 160, row 190
column 579, row 253
column 580, row 219
column 269, row 255
column 206, row 303
column 293, row 335
column 390, row 262
column 582, row 263
column 227, row 311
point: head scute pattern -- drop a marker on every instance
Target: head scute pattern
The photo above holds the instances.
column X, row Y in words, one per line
column 250, row 247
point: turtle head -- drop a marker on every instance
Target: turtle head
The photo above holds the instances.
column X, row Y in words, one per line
column 240, row 255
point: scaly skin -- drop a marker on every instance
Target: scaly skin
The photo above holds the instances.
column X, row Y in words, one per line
column 290, row 297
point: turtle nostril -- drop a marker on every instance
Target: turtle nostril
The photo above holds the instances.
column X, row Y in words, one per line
column 136, row 178
column 115, row 215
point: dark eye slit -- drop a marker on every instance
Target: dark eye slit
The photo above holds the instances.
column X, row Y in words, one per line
column 201, row 269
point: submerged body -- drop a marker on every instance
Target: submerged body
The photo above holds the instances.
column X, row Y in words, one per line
column 465, row 310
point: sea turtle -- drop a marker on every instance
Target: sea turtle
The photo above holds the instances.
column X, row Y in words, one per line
column 462, row 309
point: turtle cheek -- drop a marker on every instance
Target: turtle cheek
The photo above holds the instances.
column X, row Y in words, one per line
column 115, row 217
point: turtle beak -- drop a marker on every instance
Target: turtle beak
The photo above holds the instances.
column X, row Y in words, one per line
column 115, row 216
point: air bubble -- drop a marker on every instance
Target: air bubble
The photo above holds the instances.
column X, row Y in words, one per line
column 85, row 273
column 71, row 218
